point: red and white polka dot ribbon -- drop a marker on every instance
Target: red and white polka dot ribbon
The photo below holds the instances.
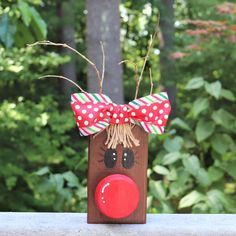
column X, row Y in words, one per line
column 94, row 112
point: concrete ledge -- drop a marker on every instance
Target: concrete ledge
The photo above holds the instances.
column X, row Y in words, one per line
column 73, row 224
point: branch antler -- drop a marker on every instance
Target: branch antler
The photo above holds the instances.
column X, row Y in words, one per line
column 63, row 77
column 135, row 68
column 49, row 43
column 103, row 68
column 150, row 44
column 151, row 81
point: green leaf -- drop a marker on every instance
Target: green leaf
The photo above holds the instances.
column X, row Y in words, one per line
column 42, row 171
column 219, row 143
column 23, row 35
column 11, row 182
column 227, row 94
column 224, row 118
column 181, row 124
column 170, row 158
column 219, row 200
column 189, row 144
column 215, row 173
column 183, row 176
column 161, row 170
column 191, row 164
column 214, row 201
column 45, row 185
column 202, row 177
column 65, row 193
column 39, row 25
column 25, row 12
column 71, row 178
column 229, row 167
column 81, row 192
column 58, row 181
column 190, row 199
column 173, row 144
column 214, row 89
column 166, row 207
column 204, row 129
column 200, row 105
column 158, row 190
column 7, row 31
column 175, row 189
column 172, row 174
column 200, row 208
column 195, row 83
column 149, row 201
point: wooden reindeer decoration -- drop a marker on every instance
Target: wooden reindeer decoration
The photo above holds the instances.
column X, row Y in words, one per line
column 118, row 153
column 118, row 147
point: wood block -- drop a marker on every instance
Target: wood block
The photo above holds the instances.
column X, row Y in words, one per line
column 97, row 170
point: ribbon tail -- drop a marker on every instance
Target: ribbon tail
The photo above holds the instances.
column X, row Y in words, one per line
column 89, row 97
column 149, row 128
column 153, row 129
column 93, row 129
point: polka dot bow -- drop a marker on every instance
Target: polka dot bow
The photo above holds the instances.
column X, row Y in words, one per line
column 94, row 112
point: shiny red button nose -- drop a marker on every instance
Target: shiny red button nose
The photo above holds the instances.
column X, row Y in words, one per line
column 117, row 196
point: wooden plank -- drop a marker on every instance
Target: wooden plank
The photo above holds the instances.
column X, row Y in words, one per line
column 97, row 171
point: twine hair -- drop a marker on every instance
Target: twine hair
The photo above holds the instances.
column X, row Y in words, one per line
column 120, row 134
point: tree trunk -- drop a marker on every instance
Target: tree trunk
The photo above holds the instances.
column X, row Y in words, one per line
column 168, row 75
column 67, row 35
column 103, row 24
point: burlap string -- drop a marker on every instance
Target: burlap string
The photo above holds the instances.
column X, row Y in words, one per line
column 120, row 134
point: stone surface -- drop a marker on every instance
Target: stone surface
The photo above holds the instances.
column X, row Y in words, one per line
column 73, row 224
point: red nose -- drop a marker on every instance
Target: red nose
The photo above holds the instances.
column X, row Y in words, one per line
column 117, row 196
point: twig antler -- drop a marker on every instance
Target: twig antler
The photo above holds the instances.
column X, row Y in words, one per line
column 150, row 44
column 151, row 81
column 62, row 77
column 101, row 77
column 103, row 68
column 135, row 68
column 143, row 67
column 49, row 43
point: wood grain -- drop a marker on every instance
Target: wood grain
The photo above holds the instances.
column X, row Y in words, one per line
column 97, row 171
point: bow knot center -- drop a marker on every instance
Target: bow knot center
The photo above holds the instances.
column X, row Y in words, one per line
column 119, row 114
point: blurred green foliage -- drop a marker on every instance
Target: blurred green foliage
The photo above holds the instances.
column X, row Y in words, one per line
column 43, row 160
column 20, row 23
column 194, row 170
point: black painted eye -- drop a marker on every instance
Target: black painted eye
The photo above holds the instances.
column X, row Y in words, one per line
column 110, row 158
column 128, row 158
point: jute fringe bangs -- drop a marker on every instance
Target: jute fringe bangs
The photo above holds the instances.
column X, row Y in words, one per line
column 120, row 134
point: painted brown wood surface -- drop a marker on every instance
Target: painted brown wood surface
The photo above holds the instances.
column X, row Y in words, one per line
column 97, row 171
